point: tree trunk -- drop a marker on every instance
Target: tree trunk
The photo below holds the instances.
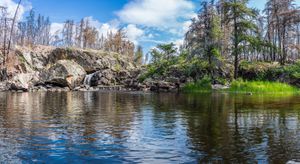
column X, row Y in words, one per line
column 236, row 60
column 12, row 27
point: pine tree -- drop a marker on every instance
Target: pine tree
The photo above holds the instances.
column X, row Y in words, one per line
column 241, row 17
column 139, row 56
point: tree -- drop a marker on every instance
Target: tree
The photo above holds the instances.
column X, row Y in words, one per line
column 139, row 56
column 68, row 32
column 4, row 28
column 204, row 37
column 163, row 54
column 31, row 28
column 12, row 26
column 241, row 17
column 282, row 21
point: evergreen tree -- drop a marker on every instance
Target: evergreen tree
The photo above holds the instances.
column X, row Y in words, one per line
column 139, row 56
column 241, row 17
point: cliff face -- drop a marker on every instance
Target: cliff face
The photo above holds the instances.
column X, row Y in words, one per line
column 44, row 68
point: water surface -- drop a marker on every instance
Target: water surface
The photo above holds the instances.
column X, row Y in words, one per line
column 112, row 127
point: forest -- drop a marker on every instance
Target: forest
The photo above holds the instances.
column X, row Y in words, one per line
column 226, row 41
column 230, row 41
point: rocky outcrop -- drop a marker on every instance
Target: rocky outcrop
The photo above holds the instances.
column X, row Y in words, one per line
column 49, row 68
column 64, row 73
column 91, row 60
column 23, row 81
column 45, row 68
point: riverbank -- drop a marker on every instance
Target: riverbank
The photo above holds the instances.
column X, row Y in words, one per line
column 44, row 68
column 241, row 86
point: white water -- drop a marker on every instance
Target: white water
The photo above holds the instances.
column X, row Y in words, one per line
column 87, row 79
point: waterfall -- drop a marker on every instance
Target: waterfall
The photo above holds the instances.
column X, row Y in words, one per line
column 87, row 79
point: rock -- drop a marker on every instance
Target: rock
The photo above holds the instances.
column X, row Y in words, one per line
column 43, row 89
column 92, row 60
column 23, row 81
column 4, row 86
column 173, row 79
column 108, row 74
column 43, row 68
column 249, row 93
column 104, row 81
column 219, row 87
column 83, row 89
column 65, row 73
column 66, row 89
column 76, row 88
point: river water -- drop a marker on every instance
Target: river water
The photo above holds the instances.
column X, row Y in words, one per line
column 115, row 127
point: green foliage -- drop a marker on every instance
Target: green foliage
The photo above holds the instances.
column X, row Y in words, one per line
column 261, row 86
column 138, row 58
column 203, row 85
column 242, row 19
column 258, row 70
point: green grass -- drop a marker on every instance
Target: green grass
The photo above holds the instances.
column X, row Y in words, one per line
column 261, row 86
column 203, row 85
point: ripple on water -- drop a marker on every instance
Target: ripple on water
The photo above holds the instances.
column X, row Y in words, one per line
column 113, row 127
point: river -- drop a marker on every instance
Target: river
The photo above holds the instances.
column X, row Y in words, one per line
column 120, row 127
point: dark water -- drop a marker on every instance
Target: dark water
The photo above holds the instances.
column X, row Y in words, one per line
column 99, row 127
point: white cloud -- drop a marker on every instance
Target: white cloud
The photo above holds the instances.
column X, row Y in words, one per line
column 56, row 28
column 157, row 13
column 106, row 28
column 133, row 33
column 103, row 28
column 92, row 22
column 186, row 26
column 178, row 43
column 153, row 41
column 12, row 6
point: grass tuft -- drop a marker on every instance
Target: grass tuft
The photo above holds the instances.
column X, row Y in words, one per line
column 261, row 86
column 203, row 85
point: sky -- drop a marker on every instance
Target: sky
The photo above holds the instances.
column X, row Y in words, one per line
column 146, row 22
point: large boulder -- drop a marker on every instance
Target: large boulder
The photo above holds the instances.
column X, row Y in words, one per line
column 23, row 81
column 65, row 73
column 103, row 77
column 91, row 60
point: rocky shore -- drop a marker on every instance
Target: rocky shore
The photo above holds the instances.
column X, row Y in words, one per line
column 66, row 69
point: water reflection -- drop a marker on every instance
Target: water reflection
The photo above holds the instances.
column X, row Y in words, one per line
column 135, row 127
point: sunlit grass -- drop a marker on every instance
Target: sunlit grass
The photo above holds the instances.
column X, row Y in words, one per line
column 203, row 85
column 261, row 86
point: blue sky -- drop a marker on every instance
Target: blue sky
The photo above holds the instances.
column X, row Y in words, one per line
column 147, row 22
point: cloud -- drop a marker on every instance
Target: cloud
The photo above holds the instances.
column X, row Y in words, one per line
column 106, row 28
column 56, row 28
column 92, row 22
column 12, row 6
column 133, row 33
column 103, row 28
column 153, row 41
column 178, row 43
column 157, row 13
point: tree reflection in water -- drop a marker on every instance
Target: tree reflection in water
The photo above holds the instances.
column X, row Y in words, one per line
column 144, row 127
